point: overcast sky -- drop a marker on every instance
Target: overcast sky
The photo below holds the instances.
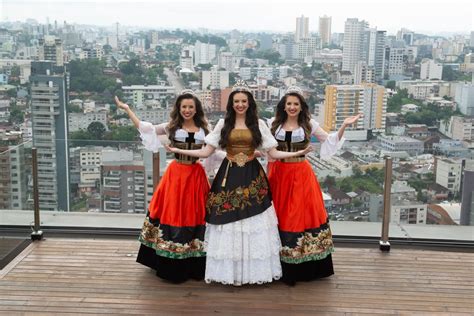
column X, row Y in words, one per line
column 424, row 16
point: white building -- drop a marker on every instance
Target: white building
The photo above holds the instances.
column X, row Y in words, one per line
column 204, row 53
column 137, row 94
column 401, row 143
column 458, row 128
column 464, row 97
column 408, row 212
column 155, row 116
column 353, row 43
column 50, row 48
column 226, row 61
column 80, row 121
column 302, row 28
column 430, row 70
column 449, row 174
column 307, row 47
column 215, row 79
column 325, row 29
column 186, row 59
column 394, row 61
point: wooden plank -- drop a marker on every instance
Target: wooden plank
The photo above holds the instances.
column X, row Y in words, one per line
column 101, row 277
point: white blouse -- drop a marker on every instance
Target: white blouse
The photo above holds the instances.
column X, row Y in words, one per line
column 149, row 135
column 268, row 141
column 330, row 142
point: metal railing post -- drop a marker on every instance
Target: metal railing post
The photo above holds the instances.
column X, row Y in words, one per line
column 384, row 243
column 36, row 234
column 156, row 170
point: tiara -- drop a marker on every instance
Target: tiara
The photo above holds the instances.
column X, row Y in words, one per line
column 295, row 89
column 241, row 85
column 188, row 91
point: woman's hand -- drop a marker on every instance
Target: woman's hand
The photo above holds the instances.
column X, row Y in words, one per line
column 305, row 151
column 171, row 149
column 121, row 105
column 351, row 120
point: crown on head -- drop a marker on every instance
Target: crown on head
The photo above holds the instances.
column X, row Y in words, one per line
column 295, row 89
column 188, row 91
column 241, row 85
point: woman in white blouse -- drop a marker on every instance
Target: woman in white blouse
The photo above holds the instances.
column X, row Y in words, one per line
column 242, row 234
column 302, row 219
column 172, row 236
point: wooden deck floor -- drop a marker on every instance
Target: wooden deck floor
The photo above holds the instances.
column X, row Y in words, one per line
column 81, row 276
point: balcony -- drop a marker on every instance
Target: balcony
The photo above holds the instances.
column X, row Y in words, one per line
column 100, row 276
column 88, row 259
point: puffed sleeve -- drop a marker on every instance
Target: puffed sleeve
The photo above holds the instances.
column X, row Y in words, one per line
column 270, row 122
column 214, row 136
column 330, row 143
column 268, row 141
column 149, row 135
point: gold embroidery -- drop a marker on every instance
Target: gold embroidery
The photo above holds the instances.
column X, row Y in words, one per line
column 309, row 245
column 152, row 236
column 240, row 197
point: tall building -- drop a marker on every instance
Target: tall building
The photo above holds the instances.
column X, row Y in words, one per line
column 215, row 79
column 363, row 44
column 266, row 41
column 342, row 101
column 204, row 53
column 406, row 35
column 431, row 70
column 50, row 48
column 363, row 73
column 472, row 39
column 302, row 28
column 464, row 97
column 49, row 98
column 353, row 43
column 325, row 29
column 13, row 174
column 123, row 183
column 377, row 57
column 153, row 39
column 307, row 47
column 186, row 59
column 394, row 61
column 448, row 174
column 226, row 61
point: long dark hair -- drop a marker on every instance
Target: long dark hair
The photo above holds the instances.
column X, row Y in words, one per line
column 251, row 120
column 177, row 120
column 304, row 117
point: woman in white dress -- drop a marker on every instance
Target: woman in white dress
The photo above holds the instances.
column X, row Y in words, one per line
column 241, row 234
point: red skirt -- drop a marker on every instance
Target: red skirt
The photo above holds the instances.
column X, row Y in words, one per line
column 180, row 199
column 297, row 196
column 172, row 236
column 302, row 221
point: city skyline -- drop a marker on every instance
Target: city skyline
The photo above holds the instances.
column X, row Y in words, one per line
column 187, row 14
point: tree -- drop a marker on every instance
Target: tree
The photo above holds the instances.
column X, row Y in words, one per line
column 107, row 49
column 329, row 181
column 96, row 130
column 74, row 108
column 122, row 133
column 448, row 73
column 16, row 115
column 11, row 92
column 391, row 84
column 204, row 66
column 88, row 75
